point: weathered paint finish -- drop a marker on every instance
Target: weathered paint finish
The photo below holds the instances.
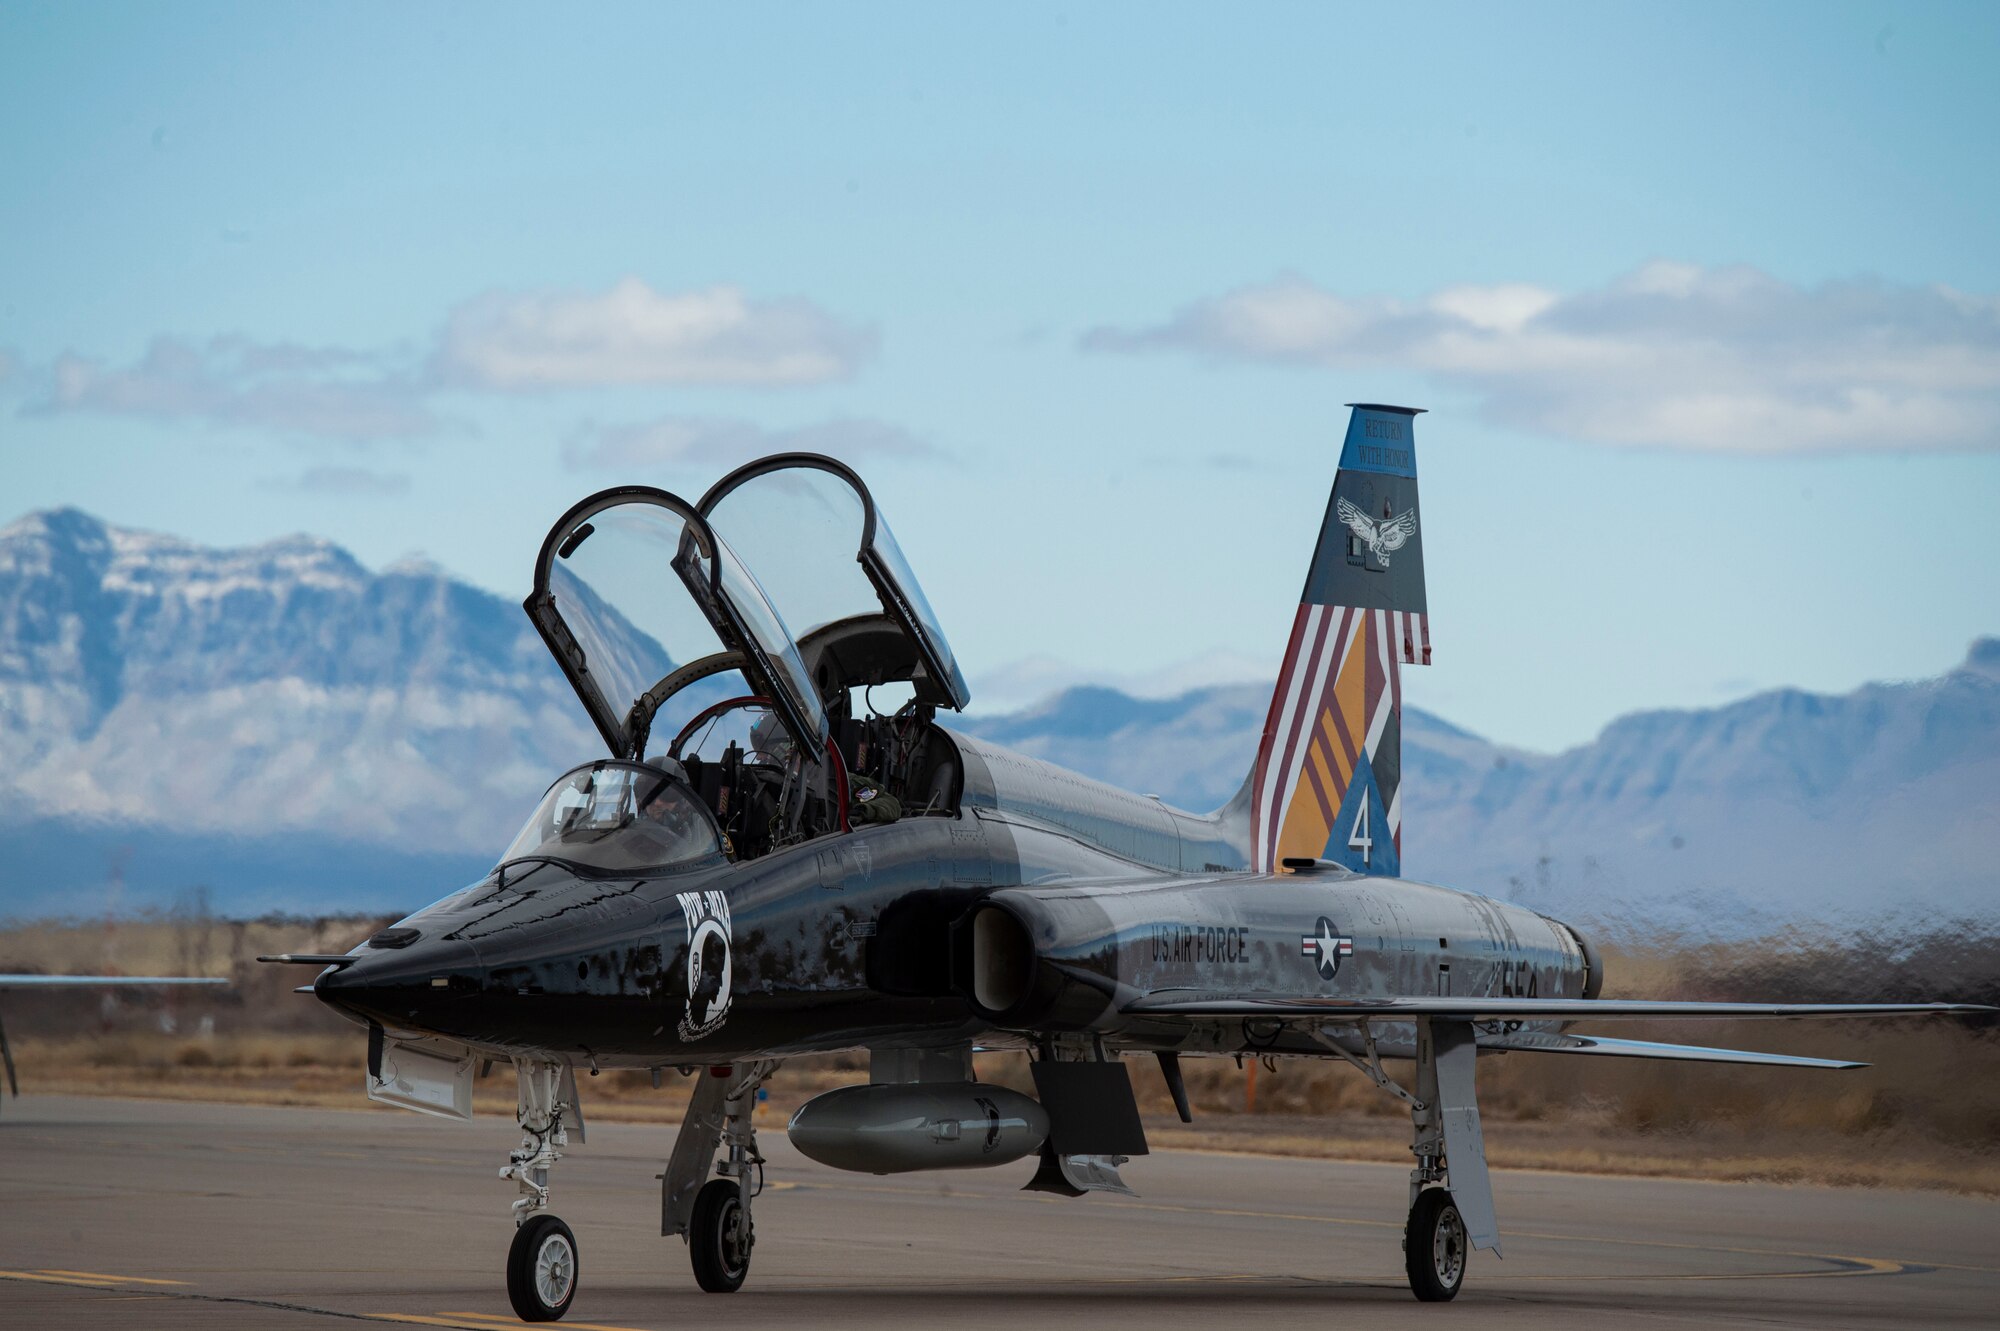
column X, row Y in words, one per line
column 847, row 941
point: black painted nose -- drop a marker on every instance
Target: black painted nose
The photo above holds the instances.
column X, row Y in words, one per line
column 414, row 985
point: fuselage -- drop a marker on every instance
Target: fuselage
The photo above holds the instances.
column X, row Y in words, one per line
column 871, row 937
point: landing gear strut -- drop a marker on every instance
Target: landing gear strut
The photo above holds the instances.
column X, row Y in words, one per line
column 713, row 1216
column 542, row 1262
column 1451, row 1196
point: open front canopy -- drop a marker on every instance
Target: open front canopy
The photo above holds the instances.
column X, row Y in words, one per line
column 829, row 562
column 637, row 598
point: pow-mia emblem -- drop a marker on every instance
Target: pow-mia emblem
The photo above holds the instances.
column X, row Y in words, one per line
column 1382, row 538
column 1326, row 945
column 708, row 963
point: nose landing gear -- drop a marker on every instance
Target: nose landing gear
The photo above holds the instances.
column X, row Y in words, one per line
column 542, row 1261
column 541, row 1269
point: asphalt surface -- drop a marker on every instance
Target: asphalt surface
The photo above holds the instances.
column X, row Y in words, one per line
column 141, row 1214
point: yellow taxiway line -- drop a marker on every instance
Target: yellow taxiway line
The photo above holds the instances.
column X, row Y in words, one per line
column 481, row 1321
column 83, row 1279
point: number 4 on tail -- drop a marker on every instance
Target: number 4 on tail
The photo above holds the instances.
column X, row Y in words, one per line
column 1359, row 837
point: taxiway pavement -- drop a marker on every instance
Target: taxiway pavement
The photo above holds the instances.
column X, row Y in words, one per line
column 126, row 1213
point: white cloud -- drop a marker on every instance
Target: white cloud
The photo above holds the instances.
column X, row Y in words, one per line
column 1670, row 355
column 234, row 381
column 721, row 442
column 355, row 482
column 633, row 334
column 630, row 334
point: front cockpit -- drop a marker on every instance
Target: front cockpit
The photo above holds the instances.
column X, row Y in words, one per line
column 616, row 817
column 651, row 609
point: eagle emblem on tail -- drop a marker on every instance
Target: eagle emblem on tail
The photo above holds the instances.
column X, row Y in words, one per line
column 1382, row 537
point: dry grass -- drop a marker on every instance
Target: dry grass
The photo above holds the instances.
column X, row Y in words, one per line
column 1926, row 1114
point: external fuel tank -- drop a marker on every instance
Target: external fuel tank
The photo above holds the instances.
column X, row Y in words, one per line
column 899, row 1127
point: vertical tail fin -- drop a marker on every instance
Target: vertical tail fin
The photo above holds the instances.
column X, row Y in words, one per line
column 1328, row 779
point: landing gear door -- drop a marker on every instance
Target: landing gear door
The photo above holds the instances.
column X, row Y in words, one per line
column 636, row 598
column 831, row 564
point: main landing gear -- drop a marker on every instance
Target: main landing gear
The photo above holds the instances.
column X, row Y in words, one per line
column 719, row 1237
column 542, row 1262
column 1434, row 1247
column 712, row 1215
column 1451, row 1195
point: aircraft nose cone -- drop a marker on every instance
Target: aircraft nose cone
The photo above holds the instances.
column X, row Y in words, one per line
column 405, row 986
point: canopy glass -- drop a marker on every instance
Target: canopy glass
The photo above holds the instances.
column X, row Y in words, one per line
column 637, row 599
column 830, row 563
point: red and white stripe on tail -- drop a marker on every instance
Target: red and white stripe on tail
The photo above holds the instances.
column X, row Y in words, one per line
column 1328, row 778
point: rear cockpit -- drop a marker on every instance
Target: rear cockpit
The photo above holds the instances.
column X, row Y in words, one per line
column 745, row 769
column 650, row 607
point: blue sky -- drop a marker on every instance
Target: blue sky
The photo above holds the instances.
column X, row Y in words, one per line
column 1702, row 301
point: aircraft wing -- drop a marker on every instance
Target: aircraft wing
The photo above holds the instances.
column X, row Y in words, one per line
column 78, row 981
column 1540, row 1043
column 1176, row 1003
column 18, row 981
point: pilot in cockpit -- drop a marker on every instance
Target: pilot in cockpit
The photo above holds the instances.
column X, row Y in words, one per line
column 668, row 808
column 770, row 742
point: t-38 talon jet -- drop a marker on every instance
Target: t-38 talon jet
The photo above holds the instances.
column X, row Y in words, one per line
column 789, row 873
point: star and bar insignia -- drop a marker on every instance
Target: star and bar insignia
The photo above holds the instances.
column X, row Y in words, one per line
column 1326, row 946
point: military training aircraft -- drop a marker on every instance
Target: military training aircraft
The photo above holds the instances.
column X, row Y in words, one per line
column 774, row 868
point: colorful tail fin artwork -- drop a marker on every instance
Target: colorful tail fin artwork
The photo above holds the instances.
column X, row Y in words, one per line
column 1328, row 779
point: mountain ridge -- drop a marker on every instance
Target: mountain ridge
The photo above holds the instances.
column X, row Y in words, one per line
column 153, row 687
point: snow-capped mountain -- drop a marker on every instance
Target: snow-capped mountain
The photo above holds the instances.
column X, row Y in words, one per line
column 301, row 733
column 254, row 694
column 1788, row 809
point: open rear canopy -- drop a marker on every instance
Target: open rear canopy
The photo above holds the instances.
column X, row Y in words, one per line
column 637, row 597
column 830, row 564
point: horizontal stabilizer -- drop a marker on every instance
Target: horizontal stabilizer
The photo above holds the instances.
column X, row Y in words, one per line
column 1181, row 1004
column 1534, row 1042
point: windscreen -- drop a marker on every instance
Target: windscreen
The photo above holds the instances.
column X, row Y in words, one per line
column 618, row 818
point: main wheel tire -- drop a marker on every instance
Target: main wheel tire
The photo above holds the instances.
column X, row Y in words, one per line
column 541, row 1269
column 720, row 1237
column 1435, row 1247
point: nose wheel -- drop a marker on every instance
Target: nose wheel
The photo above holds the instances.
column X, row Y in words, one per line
column 1435, row 1247
column 541, row 1269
